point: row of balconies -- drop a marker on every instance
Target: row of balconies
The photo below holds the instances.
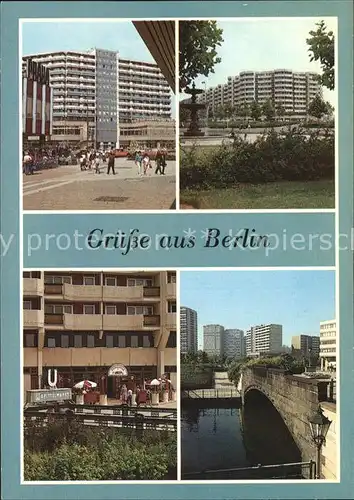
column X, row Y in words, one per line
column 93, row 322
column 97, row 356
column 35, row 287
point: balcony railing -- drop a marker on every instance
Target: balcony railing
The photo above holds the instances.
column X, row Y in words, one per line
column 151, row 291
column 151, row 320
column 33, row 318
column 32, row 286
column 54, row 319
column 50, row 289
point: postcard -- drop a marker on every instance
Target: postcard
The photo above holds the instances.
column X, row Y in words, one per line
column 176, row 250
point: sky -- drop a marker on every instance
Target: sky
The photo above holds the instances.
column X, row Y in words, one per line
column 298, row 300
column 265, row 44
column 112, row 35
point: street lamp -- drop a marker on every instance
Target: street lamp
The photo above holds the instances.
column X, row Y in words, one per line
column 206, row 104
column 319, row 425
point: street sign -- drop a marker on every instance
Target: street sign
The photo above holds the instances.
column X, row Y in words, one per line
column 47, row 395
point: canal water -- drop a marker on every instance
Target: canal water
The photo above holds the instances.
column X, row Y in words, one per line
column 230, row 437
column 212, row 438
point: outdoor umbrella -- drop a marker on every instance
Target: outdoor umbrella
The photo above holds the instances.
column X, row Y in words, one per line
column 154, row 382
column 85, row 384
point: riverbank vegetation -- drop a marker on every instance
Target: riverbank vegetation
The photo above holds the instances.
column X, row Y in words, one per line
column 68, row 451
column 283, row 361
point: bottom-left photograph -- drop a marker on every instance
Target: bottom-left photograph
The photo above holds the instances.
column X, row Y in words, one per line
column 99, row 375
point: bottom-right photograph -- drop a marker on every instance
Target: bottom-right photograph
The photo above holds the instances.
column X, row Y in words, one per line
column 259, row 355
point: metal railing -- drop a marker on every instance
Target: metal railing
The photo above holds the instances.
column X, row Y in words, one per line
column 211, row 394
column 138, row 421
column 297, row 470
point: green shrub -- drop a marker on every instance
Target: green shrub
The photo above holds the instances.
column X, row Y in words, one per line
column 296, row 155
column 68, row 451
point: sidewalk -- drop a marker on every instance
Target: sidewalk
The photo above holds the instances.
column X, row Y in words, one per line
column 69, row 188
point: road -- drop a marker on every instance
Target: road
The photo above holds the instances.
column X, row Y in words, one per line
column 69, row 188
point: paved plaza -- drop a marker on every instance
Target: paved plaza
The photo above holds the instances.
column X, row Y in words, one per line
column 69, row 188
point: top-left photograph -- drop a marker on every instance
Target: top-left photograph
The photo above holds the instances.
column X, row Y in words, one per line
column 98, row 114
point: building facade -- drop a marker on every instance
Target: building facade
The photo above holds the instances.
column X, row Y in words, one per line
column 306, row 345
column 213, row 336
column 37, row 96
column 292, row 90
column 82, row 323
column 234, row 346
column 188, row 330
column 102, row 90
column 264, row 339
column 148, row 134
column 328, row 344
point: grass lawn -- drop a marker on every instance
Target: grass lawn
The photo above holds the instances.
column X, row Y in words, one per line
column 306, row 195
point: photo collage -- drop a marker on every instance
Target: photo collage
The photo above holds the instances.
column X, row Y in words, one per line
column 174, row 374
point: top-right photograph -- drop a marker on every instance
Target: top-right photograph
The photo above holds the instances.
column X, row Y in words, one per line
column 257, row 113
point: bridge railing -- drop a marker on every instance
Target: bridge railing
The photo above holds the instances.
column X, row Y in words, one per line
column 298, row 470
column 211, row 394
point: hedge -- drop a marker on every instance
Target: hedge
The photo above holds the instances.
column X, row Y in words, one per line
column 273, row 157
column 69, row 452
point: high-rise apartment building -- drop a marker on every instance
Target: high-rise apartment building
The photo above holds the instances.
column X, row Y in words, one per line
column 97, row 90
column 213, row 340
column 292, row 90
column 188, row 330
column 82, row 323
column 306, row 345
column 234, row 346
column 328, row 344
column 264, row 339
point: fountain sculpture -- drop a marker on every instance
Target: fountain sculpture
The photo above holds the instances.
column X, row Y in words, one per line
column 193, row 107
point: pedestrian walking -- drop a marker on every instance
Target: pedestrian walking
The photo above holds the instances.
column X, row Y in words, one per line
column 28, row 163
column 146, row 163
column 138, row 160
column 158, row 160
column 111, row 160
column 97, row 165
column 130, row 397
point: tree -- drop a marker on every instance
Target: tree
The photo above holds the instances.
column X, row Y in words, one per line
column 256, row 111
column 268, row 110
column 318, row 107
column 280, row 110
column 198, row 42
column 321, row 48
column 228, row 113
column 243, row 110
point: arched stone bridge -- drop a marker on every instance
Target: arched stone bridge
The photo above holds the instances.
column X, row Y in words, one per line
column 294, row 397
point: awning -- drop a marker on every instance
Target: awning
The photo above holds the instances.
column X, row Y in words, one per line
column 159, row 37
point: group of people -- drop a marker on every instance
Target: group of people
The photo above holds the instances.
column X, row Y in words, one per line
column 143, row 162
column 126, row 395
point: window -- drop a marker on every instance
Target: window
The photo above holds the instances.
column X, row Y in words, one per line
column 109, row 341
column 122, row 342
column 139, row 282
column 134, row 341
column 90, row 340
column 77, row 340
column 172, row 307
column 27, row 304
column 89, row 280
column 51, row 342
column 134, row 310
column 171, row 278
column 89, row 309
column 57, row 280
column 30, row 340
column 172, row 339
column 58, row 308
column 65, row 341
column 111, row 310
column 110, row 281
column 148, row 341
